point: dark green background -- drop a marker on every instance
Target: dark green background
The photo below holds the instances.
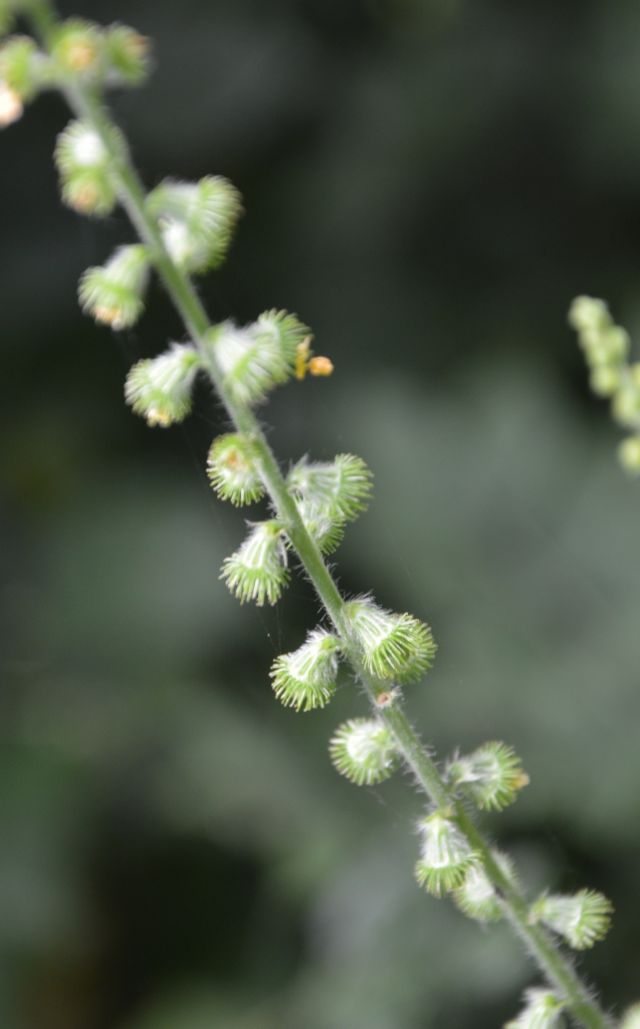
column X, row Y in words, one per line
column 427, row 184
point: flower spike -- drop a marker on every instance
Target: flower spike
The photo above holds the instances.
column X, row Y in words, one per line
column 342, row 487
column 363, row 750
column 307, row 677
column 196, row 219
column 113, row 293
column 160, row 389
column 542, row 1010
column 492, row 775
column 394, row 646
column 258, row 570
column 232, row 470
column 445, row 855
column 582, row 919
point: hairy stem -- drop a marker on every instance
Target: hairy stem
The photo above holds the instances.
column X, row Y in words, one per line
column 557, row 968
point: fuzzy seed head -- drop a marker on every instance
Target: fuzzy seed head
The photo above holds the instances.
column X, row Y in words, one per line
column 307, row 677
column 542, row 1010
column 258, row 569
column 582, row 919
column 160, row 389
column 233, row 471
column 492, row 775
column 394, row 646
column 445, row 855
column 363, row 750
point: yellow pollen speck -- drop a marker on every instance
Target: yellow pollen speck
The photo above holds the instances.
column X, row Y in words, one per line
column 302, row 358
column 320, row 366
column 522, row 781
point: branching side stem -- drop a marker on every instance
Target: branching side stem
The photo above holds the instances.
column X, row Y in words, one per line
column 87, row 105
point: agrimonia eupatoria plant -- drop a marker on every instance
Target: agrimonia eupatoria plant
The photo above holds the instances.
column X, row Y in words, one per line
column 185, row 229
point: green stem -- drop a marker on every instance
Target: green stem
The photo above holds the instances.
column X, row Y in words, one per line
column 551, row 960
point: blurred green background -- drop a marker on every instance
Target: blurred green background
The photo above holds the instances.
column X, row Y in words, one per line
column 427, row 184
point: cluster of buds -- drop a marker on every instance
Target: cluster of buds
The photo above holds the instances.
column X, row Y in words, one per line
column 582, row 918
column 492, row 775
column 543, row 1009
column 101, row 56
column 606, row 349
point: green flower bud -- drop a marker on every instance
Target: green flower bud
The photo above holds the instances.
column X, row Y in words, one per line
column 629, row 454
column 477, row 897
column 445, row 854
column 127, row 56
column 307, row 677
column 196, row 219
column 113, row 293
column 258, row 569
column 394, row 646
column 23, row 72
column 589, row 313
column 232, row 470
column 83, row 164
column 543, row 1010
column 582, row 919
column 78, row 49
column 160, row 389
column 626, row 406
column 341, row 487
column 492, row 775
column 605, row 380
column 363, row 750
column 328, row 534
column 258, row 357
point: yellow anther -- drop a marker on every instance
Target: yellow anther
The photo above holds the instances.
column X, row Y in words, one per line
column 320, row 366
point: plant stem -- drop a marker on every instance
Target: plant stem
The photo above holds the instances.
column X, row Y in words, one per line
column 558, row 969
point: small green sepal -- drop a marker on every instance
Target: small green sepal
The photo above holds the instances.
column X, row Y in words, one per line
column 394, row 646
column 543, row 1010
column 307, row 677
column 196, row 219
column 492, row 775
column 363, row 750
column 445, row 854
column 114, row 292
column 232, row 470
column 258, row 569
column 582, row 918
column 159, row 389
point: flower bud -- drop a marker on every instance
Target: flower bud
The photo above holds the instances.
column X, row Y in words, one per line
column 492, row 775
column 113, row 293
column 394, row 646
column 363, row 750
column 83, row 164
column 605, row 380
column 258, row 569
column 629, row 454
column 127, row 56
column 196, row 219
column 22, row 73
column 307, row 677
column 543, row 1010
column 258, row 357
column 589, row 313
column 78, row 48
column 341, row 487
column 582, row 919
column 445, row 854
column 626, row 406
column 477, row 897
column 160, row 389
column 232, row 470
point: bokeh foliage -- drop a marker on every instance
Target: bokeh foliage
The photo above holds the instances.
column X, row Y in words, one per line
column 427, row 184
